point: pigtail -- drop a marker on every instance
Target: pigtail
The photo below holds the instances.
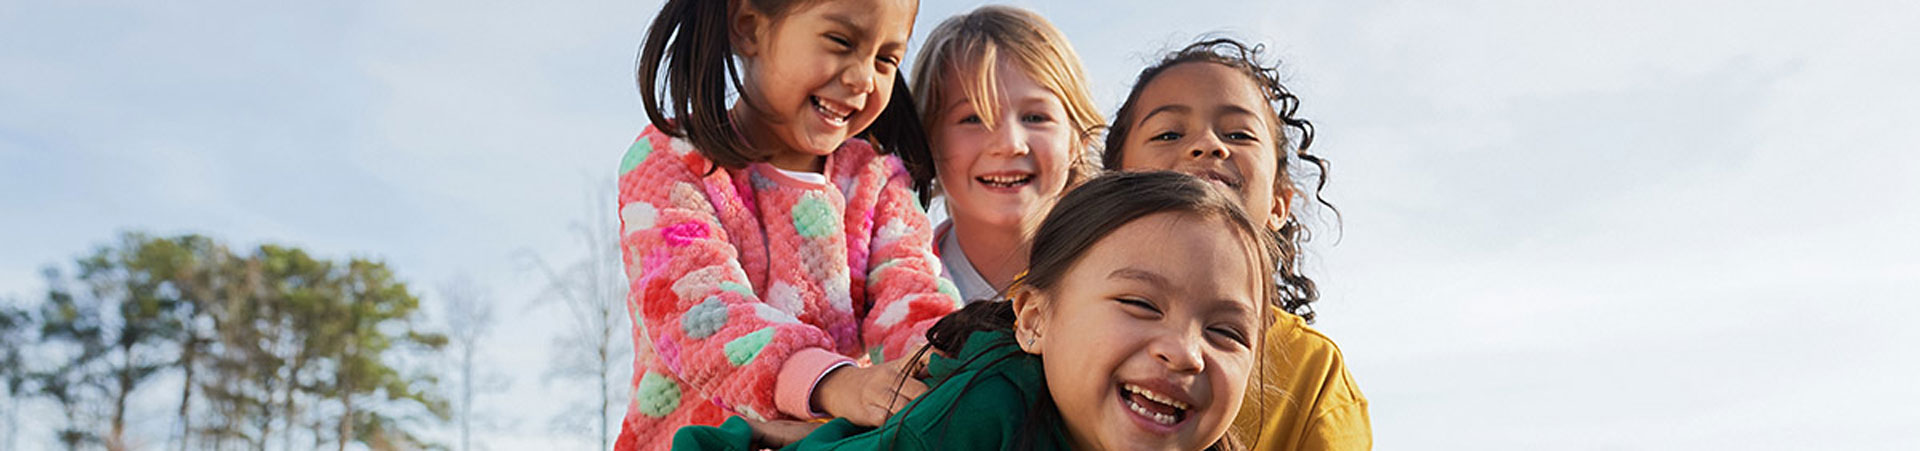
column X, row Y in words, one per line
column 898, row 131
column 690, row 39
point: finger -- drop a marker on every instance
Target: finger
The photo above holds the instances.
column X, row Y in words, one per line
column 925, row 357
column 911, row 389
column 898, row 366
column 904, row 397
column 900, row 404
column 783, row 433
column 874, row 416
column 919, row 366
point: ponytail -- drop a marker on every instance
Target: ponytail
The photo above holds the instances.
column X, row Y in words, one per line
column 689, row 38
column 898, row 131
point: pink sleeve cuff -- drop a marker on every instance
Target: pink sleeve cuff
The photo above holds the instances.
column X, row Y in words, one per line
column 793, row 389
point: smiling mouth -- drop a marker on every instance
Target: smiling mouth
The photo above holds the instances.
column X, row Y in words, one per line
column 1005, row 181
column 1219, row 178
column 835, row 113
column 1156, row 407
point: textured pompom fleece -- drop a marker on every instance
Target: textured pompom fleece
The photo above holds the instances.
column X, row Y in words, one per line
column 734, row 270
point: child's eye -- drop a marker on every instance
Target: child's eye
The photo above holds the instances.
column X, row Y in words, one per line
column 1242, row 136
column 970, row 119
column 1230, row 334
column 1168, row 136
column 840, row 41
column 1036, row 118
column 1139, row 306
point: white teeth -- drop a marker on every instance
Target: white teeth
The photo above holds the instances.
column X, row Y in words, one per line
column 1156, row 417
column 834, row 113
column 1156, row 397
column 1004, row 180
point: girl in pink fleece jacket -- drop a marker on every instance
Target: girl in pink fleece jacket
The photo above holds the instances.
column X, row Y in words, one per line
column 766, row 243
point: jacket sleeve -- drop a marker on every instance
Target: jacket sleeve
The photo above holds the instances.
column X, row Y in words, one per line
column 734, row 434
column 903, row 276
column 983, row 415
column 1339, row 421
column 690, row 300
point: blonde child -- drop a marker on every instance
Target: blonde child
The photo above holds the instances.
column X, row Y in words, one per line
column 1136, row 327
column 1214, row 110
column 1011, row 122
column 767, row 244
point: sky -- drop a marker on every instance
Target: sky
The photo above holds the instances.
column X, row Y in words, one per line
column 1562, row 225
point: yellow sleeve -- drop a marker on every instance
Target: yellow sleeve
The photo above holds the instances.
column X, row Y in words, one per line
column 1305, row 400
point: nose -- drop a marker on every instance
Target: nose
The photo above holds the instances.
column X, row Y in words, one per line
column 1008, row 138
column 1209, row 145
column 1180, row 352
column 859, row 78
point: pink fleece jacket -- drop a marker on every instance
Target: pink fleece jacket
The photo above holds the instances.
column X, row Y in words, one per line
column 747, row 285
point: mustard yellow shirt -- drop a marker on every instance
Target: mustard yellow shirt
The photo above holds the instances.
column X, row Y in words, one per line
column 1306, row 401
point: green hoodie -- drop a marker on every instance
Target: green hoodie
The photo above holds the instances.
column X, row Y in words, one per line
column 978, row 400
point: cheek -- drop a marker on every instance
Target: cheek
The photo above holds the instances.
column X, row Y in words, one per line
column 1085, row 354
column 1053, row 154
column 955, row 150
column 1231, row 382
column 1130, row 158
column 1236, row 368
column 1137, row 157
column 882, row 93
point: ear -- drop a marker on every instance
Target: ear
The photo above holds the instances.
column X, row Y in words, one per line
column 1282, row 205
column 1028, row 326
column 744, row 27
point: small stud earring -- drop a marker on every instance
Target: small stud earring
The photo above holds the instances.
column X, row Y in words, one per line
column 1029, row 342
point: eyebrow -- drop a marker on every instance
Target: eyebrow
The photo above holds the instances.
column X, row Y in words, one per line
column 1139, row 275
column 860, row 32
column 1235, row 306
column 1044, row 98
column 844, row 21
column 1174, row 108
column 956, row 103
column 1236, row 110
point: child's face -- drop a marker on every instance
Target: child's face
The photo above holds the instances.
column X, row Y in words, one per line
column 821, row 73
column 1011, row 172
column 1208, row 120
column 1147, row 340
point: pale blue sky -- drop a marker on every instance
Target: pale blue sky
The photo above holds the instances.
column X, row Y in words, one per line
column 1570, row 225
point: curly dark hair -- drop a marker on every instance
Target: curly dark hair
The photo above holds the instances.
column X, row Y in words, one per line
column 1296, row 290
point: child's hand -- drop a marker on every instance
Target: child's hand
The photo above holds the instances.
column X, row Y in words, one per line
column 867, row 396
column 780, row 433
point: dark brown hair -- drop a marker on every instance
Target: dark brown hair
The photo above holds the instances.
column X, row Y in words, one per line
column 689, row 38
column 1296, row 290
column 1084, row 216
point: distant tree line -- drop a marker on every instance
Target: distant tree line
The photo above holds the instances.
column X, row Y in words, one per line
column 270, row 347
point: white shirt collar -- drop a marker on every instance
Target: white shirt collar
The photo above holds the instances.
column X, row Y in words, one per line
column 956, row 267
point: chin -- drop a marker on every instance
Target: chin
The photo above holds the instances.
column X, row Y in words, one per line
column 821, row 145
column 1010, row 215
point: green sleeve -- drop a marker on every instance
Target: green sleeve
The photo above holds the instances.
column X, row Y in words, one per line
column 987, row 417
column 731, row 435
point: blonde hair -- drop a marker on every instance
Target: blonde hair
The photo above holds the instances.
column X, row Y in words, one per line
column 972, row 44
